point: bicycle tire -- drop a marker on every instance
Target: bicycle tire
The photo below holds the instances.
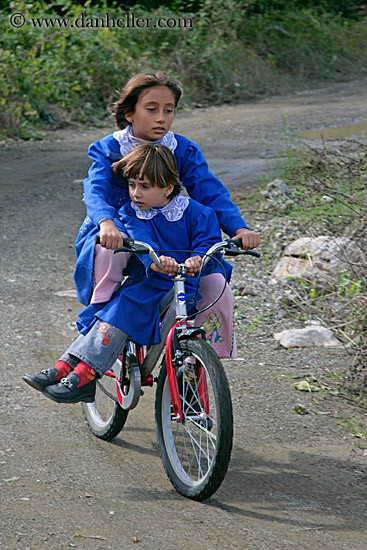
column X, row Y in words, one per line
column 105, row 417
column 195, row 453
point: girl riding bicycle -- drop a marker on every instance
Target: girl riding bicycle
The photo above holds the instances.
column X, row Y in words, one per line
column 167, row 220
column 144, row 113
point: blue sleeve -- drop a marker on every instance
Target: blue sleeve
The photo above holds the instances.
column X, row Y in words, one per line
column 206, row 231
column 98, row 184
column 206, row 189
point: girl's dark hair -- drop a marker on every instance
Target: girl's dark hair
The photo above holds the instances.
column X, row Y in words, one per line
column 132, row 90
column 153, row 162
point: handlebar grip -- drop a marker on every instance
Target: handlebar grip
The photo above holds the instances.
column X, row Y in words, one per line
column 125, row 241
column 126, row 244
column 251, row 253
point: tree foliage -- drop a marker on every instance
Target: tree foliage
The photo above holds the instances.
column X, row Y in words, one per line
column 221, row 51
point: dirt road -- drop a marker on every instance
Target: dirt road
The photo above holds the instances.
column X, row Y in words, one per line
column 295, row 481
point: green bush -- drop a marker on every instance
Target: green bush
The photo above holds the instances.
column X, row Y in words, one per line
column 220, row 52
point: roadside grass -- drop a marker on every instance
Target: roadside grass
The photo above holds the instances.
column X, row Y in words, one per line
column 355, row 427
column 328, row 189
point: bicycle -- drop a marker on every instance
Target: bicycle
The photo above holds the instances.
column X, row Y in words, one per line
column 193, row 408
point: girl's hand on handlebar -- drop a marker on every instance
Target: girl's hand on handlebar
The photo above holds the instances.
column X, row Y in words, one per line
column 193, row 265
column 169, row 266
column 110, row 236
column 250, row 239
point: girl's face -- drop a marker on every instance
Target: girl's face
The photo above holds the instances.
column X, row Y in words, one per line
column 153, row 114
column 145, row 195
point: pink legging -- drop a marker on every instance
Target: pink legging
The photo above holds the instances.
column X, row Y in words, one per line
column 216, row 320
column 108, row 272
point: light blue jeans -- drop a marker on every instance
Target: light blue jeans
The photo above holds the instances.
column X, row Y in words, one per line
column 99, row 348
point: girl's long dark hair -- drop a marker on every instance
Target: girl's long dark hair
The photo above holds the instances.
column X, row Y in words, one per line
column 133, row 89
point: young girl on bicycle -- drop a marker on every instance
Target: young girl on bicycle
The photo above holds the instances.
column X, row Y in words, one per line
column 144, row 113
column 167, row 220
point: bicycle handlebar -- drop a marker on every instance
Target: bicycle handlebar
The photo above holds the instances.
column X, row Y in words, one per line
column 234, row 251
column 229, row 246
column 138, row 247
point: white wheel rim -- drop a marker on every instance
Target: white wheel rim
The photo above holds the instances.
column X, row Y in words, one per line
column 102, row 410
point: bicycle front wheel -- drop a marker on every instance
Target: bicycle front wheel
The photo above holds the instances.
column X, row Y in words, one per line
column 104, row 416
column 196, row 452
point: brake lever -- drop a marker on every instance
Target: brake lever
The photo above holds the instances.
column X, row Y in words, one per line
column 233, row 250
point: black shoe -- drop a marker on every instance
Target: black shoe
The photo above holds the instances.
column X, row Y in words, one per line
column 67, row 392
column 41, row 380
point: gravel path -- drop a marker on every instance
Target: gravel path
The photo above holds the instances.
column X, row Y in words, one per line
column 294, row 481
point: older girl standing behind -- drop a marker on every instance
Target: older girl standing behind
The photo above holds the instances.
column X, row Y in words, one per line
column 144, row 113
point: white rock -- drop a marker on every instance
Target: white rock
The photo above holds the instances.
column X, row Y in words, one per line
column 71, row 293
column 311, row 336
column 318, row 256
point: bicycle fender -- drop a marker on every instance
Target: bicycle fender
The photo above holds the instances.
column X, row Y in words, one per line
column 192, row 332
column 130, row 400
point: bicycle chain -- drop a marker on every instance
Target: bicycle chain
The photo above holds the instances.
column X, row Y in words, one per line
column 107, row 392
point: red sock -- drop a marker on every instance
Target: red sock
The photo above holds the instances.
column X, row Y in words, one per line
column 85, row 373
column 63, row 369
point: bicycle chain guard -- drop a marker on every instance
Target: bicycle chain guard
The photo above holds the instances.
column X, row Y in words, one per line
column 129, row 400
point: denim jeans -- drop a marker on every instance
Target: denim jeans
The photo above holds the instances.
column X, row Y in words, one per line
column 99, row 348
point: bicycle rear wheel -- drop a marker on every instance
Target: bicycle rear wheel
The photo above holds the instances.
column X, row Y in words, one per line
column 196, row 452
column 104, row 416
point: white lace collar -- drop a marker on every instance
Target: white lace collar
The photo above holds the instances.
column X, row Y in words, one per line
column 128, row 141
column 173, row 211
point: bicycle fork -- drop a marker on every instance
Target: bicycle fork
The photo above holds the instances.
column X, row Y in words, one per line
column 174, row 355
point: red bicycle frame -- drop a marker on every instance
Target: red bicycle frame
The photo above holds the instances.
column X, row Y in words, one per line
column 177, row 328
column 172, row 377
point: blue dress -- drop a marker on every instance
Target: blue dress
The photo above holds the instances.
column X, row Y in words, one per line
column 134, row 308
column 105, row 193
